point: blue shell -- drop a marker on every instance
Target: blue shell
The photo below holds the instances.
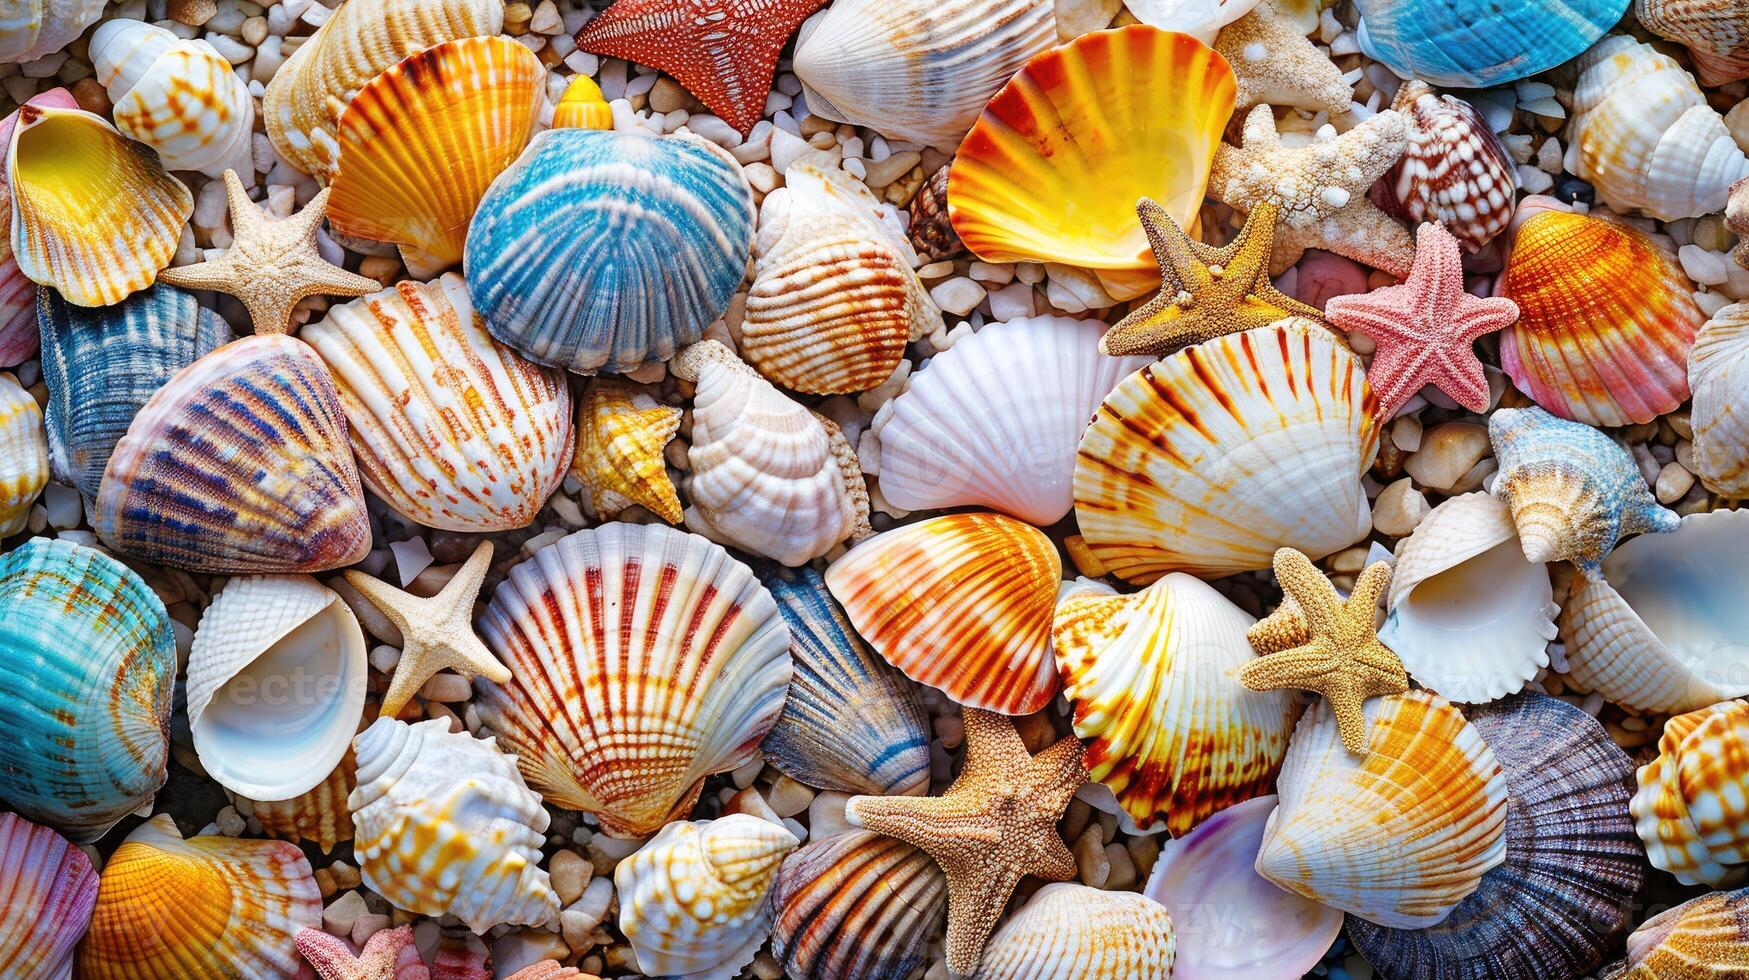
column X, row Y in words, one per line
column 852, row 723
column 102, row 363
column 1469, row 44
column 600, row 251
column 89, row 663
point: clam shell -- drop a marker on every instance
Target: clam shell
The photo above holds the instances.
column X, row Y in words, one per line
column 1455, row 171
column 1453, row 43
column 1718, row 372
column 644, row 659
column 32, row 29
column 320, row 815
column 1201, row 19
column 1716, row 32
column 179, row 97
column 1701, row 939
column 1068, row 931
column 962, row 603
column 24, row 455
column 1690, row 809
column 450, row 428
column 622, row 435
column 856, row 904
column 47, row 891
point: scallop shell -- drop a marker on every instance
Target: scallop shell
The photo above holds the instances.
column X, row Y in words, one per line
column 1718, row 372
column 1398, row 835
column 995, row 419
column 644, row 659
column 692, row 901
column 1455, row 171
column 32, row 29
column 1454, row 43
column 451, row 429
column 420, row 143
column 319, row 816
column 931, row 231
column 47, row 891
column 1690, row 809
column 856, row 904
column 24, row 455
column 1213, row 458
column 1201, row 19
column 88, row 648
column 1716, row 32
column 654, row 230
column 179, row 97
column 834, row 300
column 1069, row 931
column 917, row 70
column 172, row 909
column 446, row 826
column 622, row 435
column 238, row 464
column 18, row 330
column 1054, row 167
column 767, row 475
column 962, row 603
column 1701, row 939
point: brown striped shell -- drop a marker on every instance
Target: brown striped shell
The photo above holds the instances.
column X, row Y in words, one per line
column 856, row 904
column 1455, row 170
column 931, row 231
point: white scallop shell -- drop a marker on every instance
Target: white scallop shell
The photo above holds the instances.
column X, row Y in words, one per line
column 1068, row 931
column 1718, row 373
column 180, row 97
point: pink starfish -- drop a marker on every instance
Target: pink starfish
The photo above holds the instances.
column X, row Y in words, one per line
column 389, row 955
column 1426, row 328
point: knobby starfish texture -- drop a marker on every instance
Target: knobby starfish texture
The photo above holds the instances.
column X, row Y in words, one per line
column 389, row 954
column 1275, row 63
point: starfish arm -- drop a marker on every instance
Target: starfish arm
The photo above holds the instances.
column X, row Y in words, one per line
column 1303, row 668
column 1312, row 592
column 411, row 673
column 1463, row 378
column 1259, row 131
column 990, row 737
column 918, row 820
column 1058, row 862
column 1383, row 243
column 303, row 224
column 1062, row 766
column 330, row 955
column 1380, row 314
column 975, row 899
column 245, row 216
column 1172, row 248
column 214, row 274
column 1368, row 589
column 1350, row 711
column 1291, row 243
column 386, row 598
column 1481, row 316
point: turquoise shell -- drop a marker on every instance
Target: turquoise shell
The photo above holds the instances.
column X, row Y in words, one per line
column 89, row 663
column 1468, row 44
column 101, row 364
column 599, row 251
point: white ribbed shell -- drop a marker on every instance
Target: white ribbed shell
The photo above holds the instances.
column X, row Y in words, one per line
column 179, row 97
column 1072, row 931
column 24, row 454
column 1718, row 373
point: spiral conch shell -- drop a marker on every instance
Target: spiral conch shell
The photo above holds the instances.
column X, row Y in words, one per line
column 1690, row 809
column 24, row 454
column 1718, row 373
column 622, row 433
column 32, row 29
column 180, row 97
column 1716, row 32
column 1068, row 931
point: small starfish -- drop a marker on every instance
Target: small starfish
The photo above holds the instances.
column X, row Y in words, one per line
column 1318, row 642
column 723, row 51
column 1426, row 328
column 388, row 955
column 1321, row 189
column 550, row 970
column 437, row 633
column 1737, row 219
column 619, row 456
column 271, row 264
column 1205, row 292
column 1276, row 63
column 996, row 824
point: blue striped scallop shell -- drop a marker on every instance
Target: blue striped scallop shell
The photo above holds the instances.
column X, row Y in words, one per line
column 600, row 251
column 1466, row 44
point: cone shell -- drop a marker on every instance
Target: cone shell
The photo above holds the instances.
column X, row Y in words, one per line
column 582, row 106
column 238, row 464
column 1054, row 167
column 693, row 900
column 684, row 670
column 89, row 649
column 856, row 904
column 996, row 418
column 1455, row 171
column 1690, row 809
column 451, row 428
column 1718, row 372
column 174, row 909
column 179, row 97
column 622, row 435
column 47, row 891
column 319, row 816
column 1701, row 939
column 1068, row 931
column 1213, row 458
column 1716, row 32
column 420, row 143
column 24, row 455
column 1453, row 43
column 32, row 29
column 962, row 603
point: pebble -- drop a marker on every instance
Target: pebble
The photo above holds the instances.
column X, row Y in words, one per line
column 1090, row 859
column 1447, row 452
column 570, row 874
column 1673, row 483
column 367, row 926
column 1406, row 433
column 1399, row 508
column 341, row 913
column 788, row 797
column 1705, row 267
column 826, row 815
column 447, row 688
column 1011, row 302
column 1122, row 875
column 63, row 506
column 958, row 295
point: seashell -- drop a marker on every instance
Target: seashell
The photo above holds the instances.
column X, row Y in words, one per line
column 851, row 722
column 661, row 608
column 1469, row 615
column 1701, row 939
column 1201, row 19
column 1398, row 835
column 461, row 956
column 93, row 213
column 307, row 96
column 1718, row 373
column 673, row 214
column 32, row 29
column 1690, row 809
column 420, row 143
column 1213, row 458
column 1455, row 171
column 622, row 435
column 767, row 475
column 1068, row 931
column 47, row 891
column 931, row 231
column 446, row 826
column 996, row 418
column 174, row 909
column 1573, row 491
column 88, row 715
column 238, row 463
column 693, row 900
column 582, row 106
column 451, row 429
column 834, row 301
column 1054, row 167
column 18, row 331
column 320, row 815
column 101, row 365
column 276, row 679
column 1572, row 870
column 1716, row 32
column 962, row 603
column 1453, row 44
column 1644, row 136
column 856, row 904
column 916, row 70
column 24, row 455
column 179, row 97
column 1153, row 678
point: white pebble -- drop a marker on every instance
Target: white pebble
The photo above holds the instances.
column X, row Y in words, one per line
column 958, row 295
column 1011, row 301
column 63, row 506
column 1703, row 266
column 411, row 558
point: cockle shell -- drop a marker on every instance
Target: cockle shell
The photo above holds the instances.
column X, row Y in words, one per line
column 446, row 826
column 1455, row 171
column 1690, row 809
column 1718, row 372
column 693, row 900
column 174, row 909
column 1213, row 458
column 622, row 435
column 319, row 816
column 450, row 428
column 179, row 97
column 856, row 904
column 89, row 651
column 24, row 454
column 1453, row 43
column 1201, row 19
column 834, row 300
column 1701, row 939
column 47, row 891
column 1399, row 834
column 995, row 419
column 962, row 603
column 238, row 464
column 644, row 659
column 1716, row 32
column 32, row 29
column 1068, row 931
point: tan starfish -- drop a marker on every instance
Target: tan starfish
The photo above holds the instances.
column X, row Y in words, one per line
column 436, row 633
column 1276, row 63
column 619, row 460
column 389, row 954
column 1318, row 642
column 1321, row 189
column 996, row 824
column 272, row 263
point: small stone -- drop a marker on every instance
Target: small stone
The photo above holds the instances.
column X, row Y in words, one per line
column 63, row 505
column 345, row 875
column 517, row 17
column 882, row 172
column 1123, row 870
column 254, row 31
column 340, row 914
column 546, row 19
column 368, row 925
column 1703, row 266
column 1406, row 433
column 1447, row 452
column 1011, row 302
column 749, row 801
column 570, row 874
column 788, row 797
column 1090, row 859
column 1399, row 508
column 596, row 898
column 958, row 295
column 194, row 13
column 667, row 95
column 231, row 823
column 1085, row 561
column 1673, row 483
column 447, row 688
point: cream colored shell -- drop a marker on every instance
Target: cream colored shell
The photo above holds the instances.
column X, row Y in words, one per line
column 1691, row 809
column 1718, row 374
column 24, row 455
column 180, row 97
column 1073, row 931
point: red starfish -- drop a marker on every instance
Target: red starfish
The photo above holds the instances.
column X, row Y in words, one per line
column 723, row 51
column 1426, row 328
column 389, row 955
